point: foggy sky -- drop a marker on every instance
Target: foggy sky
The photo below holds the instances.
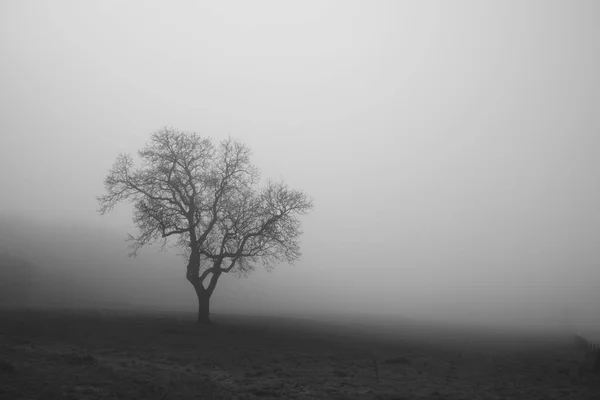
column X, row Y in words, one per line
column 452, row 148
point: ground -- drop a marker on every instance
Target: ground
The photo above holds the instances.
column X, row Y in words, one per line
column 92, row 354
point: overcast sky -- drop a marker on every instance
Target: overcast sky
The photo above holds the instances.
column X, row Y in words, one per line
column 452, row 148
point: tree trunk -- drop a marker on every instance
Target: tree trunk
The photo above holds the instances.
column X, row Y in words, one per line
column 203, row 307
column 597, row 362
column 203, row 294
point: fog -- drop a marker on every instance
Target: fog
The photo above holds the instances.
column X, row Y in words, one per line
column 451, row 148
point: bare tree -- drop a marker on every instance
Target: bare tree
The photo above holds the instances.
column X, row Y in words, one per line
column 205, row 199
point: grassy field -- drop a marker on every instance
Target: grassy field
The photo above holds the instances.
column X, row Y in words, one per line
column 79, row 354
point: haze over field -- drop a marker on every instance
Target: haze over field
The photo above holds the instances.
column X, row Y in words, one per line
column 452, row 148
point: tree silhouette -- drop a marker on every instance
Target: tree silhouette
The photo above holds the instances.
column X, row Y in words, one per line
column 206, row 199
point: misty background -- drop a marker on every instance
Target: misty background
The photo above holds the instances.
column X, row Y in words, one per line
column 451, row 149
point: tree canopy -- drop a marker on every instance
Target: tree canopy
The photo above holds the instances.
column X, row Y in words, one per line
column 206, row 199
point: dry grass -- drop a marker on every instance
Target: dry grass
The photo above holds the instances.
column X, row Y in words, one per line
column 70, row 354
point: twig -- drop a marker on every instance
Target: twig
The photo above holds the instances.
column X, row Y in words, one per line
column 376, row 370
column 165, row 394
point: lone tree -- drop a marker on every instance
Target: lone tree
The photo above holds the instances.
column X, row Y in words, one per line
column 206, row 199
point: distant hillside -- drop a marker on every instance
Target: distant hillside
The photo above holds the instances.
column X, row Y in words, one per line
column 61, row 264
column 17, row 280
column 73, row 264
